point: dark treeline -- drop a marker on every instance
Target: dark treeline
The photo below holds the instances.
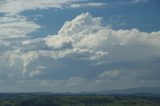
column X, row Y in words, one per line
column 52, row 100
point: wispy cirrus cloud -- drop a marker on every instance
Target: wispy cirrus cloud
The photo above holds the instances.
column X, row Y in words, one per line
column 17, row 26
column 17, row 6
column 11, row 7
column 133, row 1
column 78, row 5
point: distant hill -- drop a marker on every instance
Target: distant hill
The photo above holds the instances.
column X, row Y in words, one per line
column 143, row 91
column 129, row 91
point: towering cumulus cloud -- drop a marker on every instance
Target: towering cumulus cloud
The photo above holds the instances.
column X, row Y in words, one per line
column 84, row 52
column 86, row 32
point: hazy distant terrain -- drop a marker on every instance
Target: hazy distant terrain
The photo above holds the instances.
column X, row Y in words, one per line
column 140, row 90
column 59, row 100
column 145, row 96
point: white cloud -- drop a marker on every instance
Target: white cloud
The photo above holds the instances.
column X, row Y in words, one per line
column 12, row 7
column 87, row 32
column 12, row 24
column 138, row 1
column 71, row 53
column 34, row 73
column 110, row 74
column 122, row 74
column 17, row 26
column 85, row 38
column 79, row 26
column 33, row 44
column 10, row 64
column 27, row 58
column 134, row 1
column 57, row 41
column 87, row 5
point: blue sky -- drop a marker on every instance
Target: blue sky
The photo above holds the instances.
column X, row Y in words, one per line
column 79, row 45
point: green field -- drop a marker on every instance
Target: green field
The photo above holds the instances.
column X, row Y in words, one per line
column 51, row 100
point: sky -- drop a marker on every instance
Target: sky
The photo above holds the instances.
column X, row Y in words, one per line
column 79, row 45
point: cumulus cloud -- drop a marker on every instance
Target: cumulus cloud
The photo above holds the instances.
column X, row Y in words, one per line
column 85, row 52
column 86, row 39
column 87, row 32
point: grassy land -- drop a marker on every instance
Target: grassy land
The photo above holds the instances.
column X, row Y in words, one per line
column 50, row 100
